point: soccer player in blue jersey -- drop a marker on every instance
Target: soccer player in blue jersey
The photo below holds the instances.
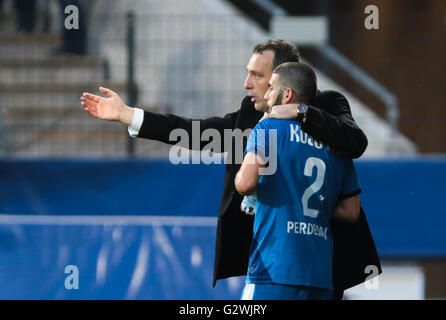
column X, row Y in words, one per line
column 300, row 185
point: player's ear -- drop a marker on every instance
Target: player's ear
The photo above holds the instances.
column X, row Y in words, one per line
column 288, row 96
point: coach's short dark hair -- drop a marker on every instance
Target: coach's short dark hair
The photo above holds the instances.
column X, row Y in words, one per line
column 284, row 51
column 300, row 78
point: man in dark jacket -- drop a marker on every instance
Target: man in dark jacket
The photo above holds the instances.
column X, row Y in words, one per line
column 328, row 119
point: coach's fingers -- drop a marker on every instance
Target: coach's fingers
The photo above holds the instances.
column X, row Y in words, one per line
column 93, row 111
column 92, row 108
column 90, row 101
column 88, row 104
column 107, row 92
column 90, row 96
column 275, row 112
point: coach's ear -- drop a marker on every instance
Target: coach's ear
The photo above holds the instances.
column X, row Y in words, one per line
column 288, row 96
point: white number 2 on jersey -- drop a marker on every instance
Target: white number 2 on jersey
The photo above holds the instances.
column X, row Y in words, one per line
column 315, row 186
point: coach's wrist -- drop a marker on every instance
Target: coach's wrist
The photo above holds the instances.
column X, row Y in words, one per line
column 126, row 115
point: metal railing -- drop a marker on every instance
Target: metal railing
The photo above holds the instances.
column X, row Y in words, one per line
column 188, row 65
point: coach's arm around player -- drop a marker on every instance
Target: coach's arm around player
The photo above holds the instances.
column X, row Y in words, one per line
column 333, row 116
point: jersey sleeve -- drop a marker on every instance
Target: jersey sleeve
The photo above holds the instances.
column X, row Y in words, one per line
column 350, row 184
column 258, row 141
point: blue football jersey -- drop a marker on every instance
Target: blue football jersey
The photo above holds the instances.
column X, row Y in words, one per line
column 292, row 241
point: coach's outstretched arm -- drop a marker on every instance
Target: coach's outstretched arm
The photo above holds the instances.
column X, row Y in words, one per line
column 330, row 121
column 156, row 126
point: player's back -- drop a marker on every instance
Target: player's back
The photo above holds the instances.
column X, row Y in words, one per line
column 292, row 238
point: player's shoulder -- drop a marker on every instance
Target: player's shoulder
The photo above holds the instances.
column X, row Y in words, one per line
column 275, row 123
column 279, row 126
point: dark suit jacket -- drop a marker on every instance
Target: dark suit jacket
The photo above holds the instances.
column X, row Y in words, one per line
column 354, row 247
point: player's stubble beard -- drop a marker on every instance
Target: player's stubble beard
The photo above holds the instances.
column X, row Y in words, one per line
column 278, row 102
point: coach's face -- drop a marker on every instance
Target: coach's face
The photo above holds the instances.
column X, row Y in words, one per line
column 259, row 73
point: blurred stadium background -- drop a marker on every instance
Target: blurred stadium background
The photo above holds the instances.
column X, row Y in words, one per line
column 78, row 191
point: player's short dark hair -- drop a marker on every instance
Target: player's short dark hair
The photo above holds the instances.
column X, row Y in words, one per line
column 284, row 51
column 300, row 78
